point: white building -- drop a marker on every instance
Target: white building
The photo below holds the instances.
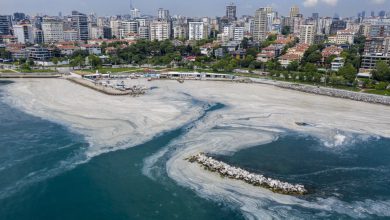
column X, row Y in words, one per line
column 135, row 13
column 260, row 24
column 163, row 14
column 228, row 31
column 71, row 35
column 307, row 33
column 53, row 30
column 180, row 31
column 128, row 27
column 159, row 30
column 337, row 63
column 24, row 33
column 143, row 22
column 197, row 31
column 143, row 32
column 345, row 36
column 238, row 33
column 115, row 26
column 96, row 32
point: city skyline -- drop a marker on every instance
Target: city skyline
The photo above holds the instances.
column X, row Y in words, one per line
column 216, row 8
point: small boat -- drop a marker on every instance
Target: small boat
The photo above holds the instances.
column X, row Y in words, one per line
column 180, row 80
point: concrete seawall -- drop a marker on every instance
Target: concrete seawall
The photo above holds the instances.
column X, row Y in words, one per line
column 338, row 93
column 326, row 91
column 30, row 75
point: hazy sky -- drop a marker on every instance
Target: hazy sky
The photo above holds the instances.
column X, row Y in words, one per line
column 191, row 7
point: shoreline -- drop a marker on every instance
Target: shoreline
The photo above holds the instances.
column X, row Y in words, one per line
column 254, row 114
column 310, row 89
column 337, row 93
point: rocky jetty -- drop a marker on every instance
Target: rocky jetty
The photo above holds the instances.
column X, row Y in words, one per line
column 357, row 96
column 232, row 172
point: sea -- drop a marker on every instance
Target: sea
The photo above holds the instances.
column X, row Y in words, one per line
column 44, row 174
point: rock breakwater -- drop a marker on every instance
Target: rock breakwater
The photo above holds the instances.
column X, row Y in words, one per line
column 232, row 172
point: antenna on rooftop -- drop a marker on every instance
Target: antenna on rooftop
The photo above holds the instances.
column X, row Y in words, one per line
column 131, row 4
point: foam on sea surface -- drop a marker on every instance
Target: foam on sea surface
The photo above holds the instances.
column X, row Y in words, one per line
column 254, row 115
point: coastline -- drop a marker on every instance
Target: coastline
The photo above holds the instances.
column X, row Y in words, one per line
column 254, row 114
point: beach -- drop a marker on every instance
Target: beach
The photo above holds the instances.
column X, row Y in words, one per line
column 252, row 114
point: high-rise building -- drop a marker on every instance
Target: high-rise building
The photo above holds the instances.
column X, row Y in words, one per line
column 238, row 33
column 363, row 14
column 71, row 35
column 24, row 33
column 159, row 30
column 80, row 24
column 337, row 25
column 163, row 14
column 143, row 32
column 270, row 18
column 18, row 16
column 37, row 22
column 128, row 27
column 307, row 33
column 180, row 31
column 38, row 36
column 53, row 30
column 197, row 30
column 231, row 12
column 260, row 24
column 5, row 25
column 115, row 25
column 315, row 16
column 294, row 11
column 135, row 13
column 382, row 14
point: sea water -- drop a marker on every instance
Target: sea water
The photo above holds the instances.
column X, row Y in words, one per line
column 44, row 174
column 356, row 173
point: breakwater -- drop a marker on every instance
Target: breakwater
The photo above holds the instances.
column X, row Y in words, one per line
column 338, row 93
column 106, row 89
column 232, row 172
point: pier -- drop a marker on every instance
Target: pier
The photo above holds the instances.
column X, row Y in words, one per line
column 134, row 91
column 232, row 172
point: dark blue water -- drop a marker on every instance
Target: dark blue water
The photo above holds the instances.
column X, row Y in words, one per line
column 355, row 172
column 39, row 179
column 41, row 176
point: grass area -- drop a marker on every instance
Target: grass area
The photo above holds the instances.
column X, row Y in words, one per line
column 379, row 92
column 6, row 71
column 109, row 70
column 37, row 71
column 343, row 87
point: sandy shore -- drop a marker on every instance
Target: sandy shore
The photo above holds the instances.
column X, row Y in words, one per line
column 254, row 114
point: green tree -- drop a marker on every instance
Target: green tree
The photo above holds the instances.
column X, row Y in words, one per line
column 330, row 59
column 286, row 30
column 310, row 68
column 55, row 61
column 348, row 71
column 382, row 71
column 314, row 57
column 293, row 66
